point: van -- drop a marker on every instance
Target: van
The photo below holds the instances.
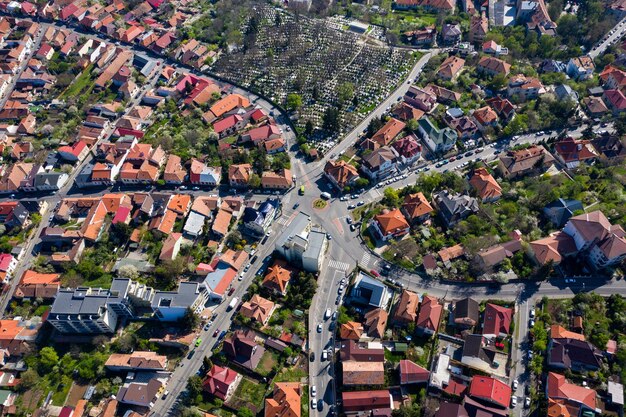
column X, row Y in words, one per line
column 325, row 196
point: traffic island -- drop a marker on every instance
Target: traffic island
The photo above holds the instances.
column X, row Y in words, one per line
column 320, row 204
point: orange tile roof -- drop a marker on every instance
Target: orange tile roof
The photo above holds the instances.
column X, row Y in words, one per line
column 258, row 308
column 558, row 387
column 282, row 179
column 406, row 310
column 485, row 184
column 560, row 332
column 221, row 222
column 31, row 277
column 285, row 401
column 236, row 259
column 341, row 172
column 229, row 103
column 166, row 224
column 180, row 203
column 92, row 226
column 351, row 330
column 391, row 221
column 451, row 252
column 277, row 276
column 416, row 205
column 239, row 172
column 430, row 313
column 388, row 132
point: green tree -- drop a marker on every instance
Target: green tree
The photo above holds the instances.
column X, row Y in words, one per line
column 254, row 181
column 28, row 379
column 244, row 412
column 391, row 197
column 48, row 359
column 294, row 101
column 194, row 386
column 190, row 320
column 345, row 92
column 330, row 119
column 308, row 128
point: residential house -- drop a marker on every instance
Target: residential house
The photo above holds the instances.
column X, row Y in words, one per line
column 221, row 382
column 496, row 320
column 494, row 255
column 281, row 180
column 136, row 361
column 553, row 249
column 490, row 390
column 171, row 247
column 479, row 26
column 376, row 322
column 34, row 285
column 450, row 68
column 437, row 140
column 571, row 152
column 464, row 127
column 277, row 278
column 258, row 309
column 174, row 172
column 610, row 147
column 388, row 132
column 486, row 186
column 142, row 164
column 416, row 208
column 502, row 106
column 370, row 292
column 525, row 88
column 368, row 374
column 485, row 117
column 406, row 309
column 201, row 174
column 465, row 312
column 492, row 48
column 444, row 96
column 560, row 211
column 380, row 164
column 493, row 66
column 479, row 353
column 604, row 244
column 452, row 208
column 615, row 100
column 563, row 395
column 239, row 175
column 241, row 348
column 535, row 158
column 412, row 373
column 8, row 263
column 408, row 149
column 421, row 37
column 351, row 330
column 229, row 125
column 258, row 221
column 429, row 315
column 420, row 98
column 367, row 401
column 225, row 105
column 451, row 33
column 353, row 351
column 74, row 153
column 340, row 173
column 405, row 112
column 285, row 400
column 564, row 92
column 390, row 224
column 171, row 306
column 580, row 68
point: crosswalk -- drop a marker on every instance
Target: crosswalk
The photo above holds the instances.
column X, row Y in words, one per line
column 338, row 265
column 365, row 259
column 282, row 220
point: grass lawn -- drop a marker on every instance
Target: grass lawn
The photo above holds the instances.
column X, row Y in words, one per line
column 394, row 357
column 82, row 82
column 249, row 394
column 304, row 401
column 268, row 360
column 293, row 374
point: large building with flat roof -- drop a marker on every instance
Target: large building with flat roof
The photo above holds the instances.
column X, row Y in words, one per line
column 302, row 244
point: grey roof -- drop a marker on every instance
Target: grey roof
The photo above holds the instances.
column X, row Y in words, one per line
column 561, row 210
column 368, row 291
column 49, row 178
column 379, row 157
column 185, row 296
column 194, row 223
column 616, row 391
column 82, row 301
column 455, row 206
column 564, row 91
column 474, row 348
column 297, row 227
column 316, row 243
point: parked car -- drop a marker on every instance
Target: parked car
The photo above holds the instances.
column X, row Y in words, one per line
column 527, row 402
column 319, row 328
column 514, row 401
column 515, row 384
column 313, row 391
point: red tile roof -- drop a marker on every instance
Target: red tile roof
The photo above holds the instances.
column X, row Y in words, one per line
column 430, row 313
column 490, row 389
column 412, row 373
column 559, row 388
column 497, row 319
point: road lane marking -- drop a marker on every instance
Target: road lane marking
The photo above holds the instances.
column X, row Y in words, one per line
column 338, row 265
column 337, row 223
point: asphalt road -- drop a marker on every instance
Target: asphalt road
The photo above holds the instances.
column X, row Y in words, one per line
column 613, row 36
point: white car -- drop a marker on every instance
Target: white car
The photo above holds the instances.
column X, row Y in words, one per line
column 527, row 402
column 327, row 314
column 324, row 356
column 532, row 313
column 532, row 323
column 515, row 384
column 313, row 391
column 514, row 401
column 319, row 328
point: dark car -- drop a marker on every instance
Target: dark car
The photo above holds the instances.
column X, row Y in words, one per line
column 231, row 291
column 215, row 333
column 312, row 356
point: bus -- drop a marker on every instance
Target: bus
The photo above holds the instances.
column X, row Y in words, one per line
column 301, row 192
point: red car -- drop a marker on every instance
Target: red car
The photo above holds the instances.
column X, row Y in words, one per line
column 376, row 274
column 215, row 333
column 231, row 291
column 500, row 345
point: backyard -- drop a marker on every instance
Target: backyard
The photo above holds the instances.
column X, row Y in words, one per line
column 249, row 394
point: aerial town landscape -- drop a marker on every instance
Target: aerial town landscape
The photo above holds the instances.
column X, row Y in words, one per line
column 301, row 208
